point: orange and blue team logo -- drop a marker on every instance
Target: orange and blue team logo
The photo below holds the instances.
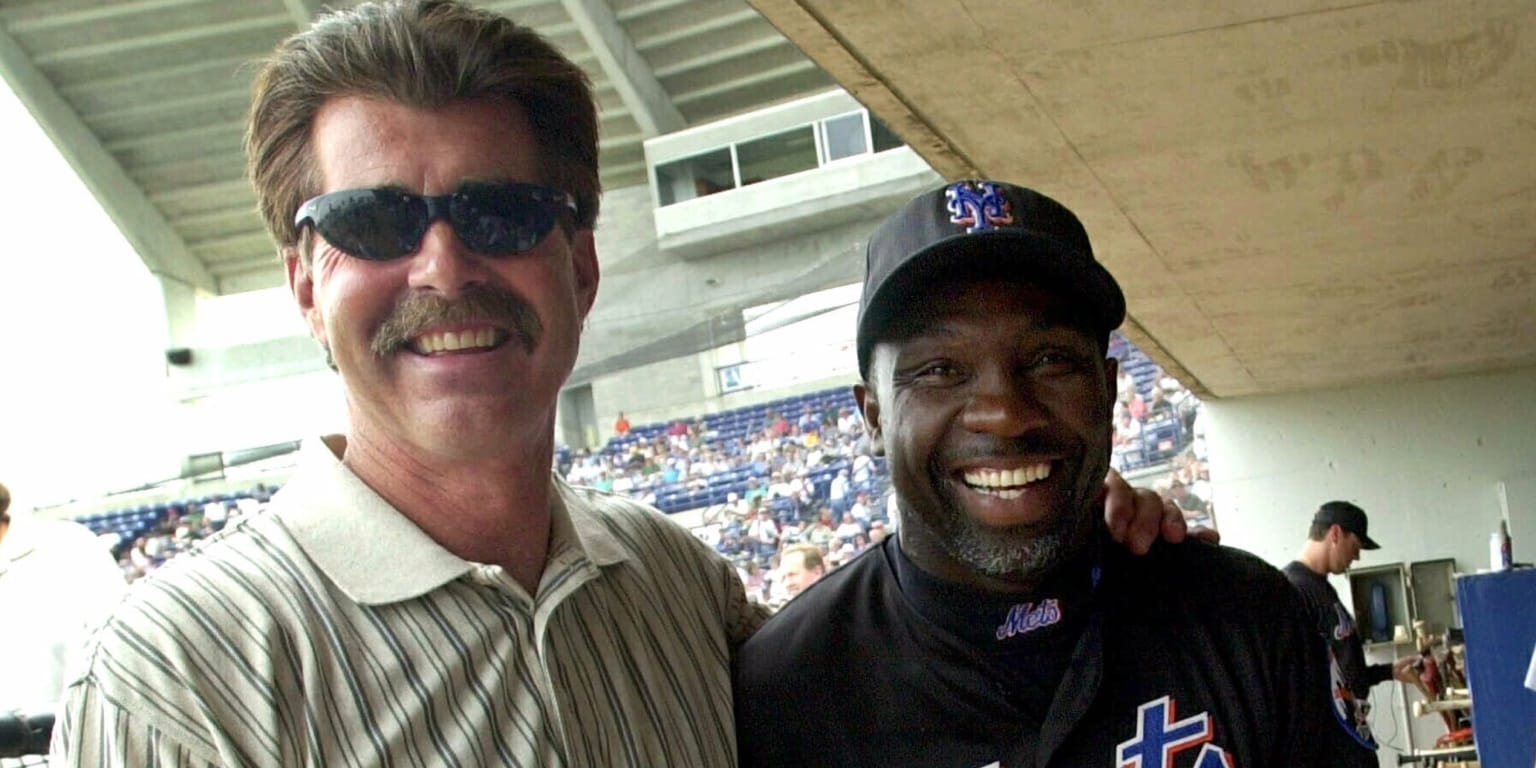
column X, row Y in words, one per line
column 1353, row 714
column 1160, row 736
column 978, row 206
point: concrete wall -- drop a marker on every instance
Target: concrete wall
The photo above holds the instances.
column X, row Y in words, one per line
column 1424, row 459
column 1427, row 461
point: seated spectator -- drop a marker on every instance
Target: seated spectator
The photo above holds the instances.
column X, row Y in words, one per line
column 848, row 528
column 863, row 467
column 677, row 434
column 860, row 509
column 820, row 531
column 763, row 533
column 799, row 567
column 1159, row 405
column 848, row 422
column 778, row 488
column 734, row 508
column 755, row 490
column 809, row 421
column 1137, row 406
column 840, row 554
column 1196, row 510
column 1127, row 429
column 604, row 482
column 839, row 488
column 778, row 426
column 754, row 579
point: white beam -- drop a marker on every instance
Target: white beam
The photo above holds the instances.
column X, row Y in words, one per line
column 634, row 79
column 157, row 243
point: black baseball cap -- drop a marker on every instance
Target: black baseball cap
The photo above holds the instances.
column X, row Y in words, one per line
column 1347, row 516
column 986, row 230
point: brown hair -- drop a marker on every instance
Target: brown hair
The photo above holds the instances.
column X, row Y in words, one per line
column 810, row 555
column 5, row 504
column 424, row 54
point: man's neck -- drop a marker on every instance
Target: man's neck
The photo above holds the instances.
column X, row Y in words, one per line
column 1314, row 557
column 493, row 511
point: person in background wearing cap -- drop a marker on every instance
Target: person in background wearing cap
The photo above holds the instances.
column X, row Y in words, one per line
column 998, row 627
column 1334, row 541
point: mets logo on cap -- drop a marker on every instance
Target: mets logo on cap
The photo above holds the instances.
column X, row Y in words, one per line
column 978, row 205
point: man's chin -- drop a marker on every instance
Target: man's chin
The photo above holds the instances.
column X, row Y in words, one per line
column 1013, row 554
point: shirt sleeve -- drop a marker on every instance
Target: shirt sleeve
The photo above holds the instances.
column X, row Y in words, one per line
column 743, row 617
column 94, row 731
column 1377, row 673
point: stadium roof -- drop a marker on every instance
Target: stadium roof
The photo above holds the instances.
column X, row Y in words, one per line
column 1294, row 195
column 147, row 99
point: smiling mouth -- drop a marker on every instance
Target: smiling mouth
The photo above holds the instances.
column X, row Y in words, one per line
column 1005, row 483
column 447, row 342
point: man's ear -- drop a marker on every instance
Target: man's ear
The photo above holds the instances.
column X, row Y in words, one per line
column 869, row 406
column 1335, row 534
column 584, row 268
column 301, row 282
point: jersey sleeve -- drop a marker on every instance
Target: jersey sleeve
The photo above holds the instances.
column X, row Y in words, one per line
column 1377, row 673
column 1314, row 736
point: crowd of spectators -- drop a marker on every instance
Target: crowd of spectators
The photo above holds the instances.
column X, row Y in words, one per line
column 1159, row 423
column 147, row 538
column 810, row 478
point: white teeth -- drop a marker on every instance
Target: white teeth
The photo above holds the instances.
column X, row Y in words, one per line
column 1007, row 481
column 450, row 341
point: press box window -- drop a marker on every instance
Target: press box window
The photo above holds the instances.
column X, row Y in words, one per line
column 843, row 136
column 695, row 176
column 778, row 155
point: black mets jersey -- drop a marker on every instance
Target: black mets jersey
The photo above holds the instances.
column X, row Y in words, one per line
column 1193, row 656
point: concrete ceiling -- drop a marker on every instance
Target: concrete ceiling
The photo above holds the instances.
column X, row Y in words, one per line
column 1295, row 194
column 147, row 100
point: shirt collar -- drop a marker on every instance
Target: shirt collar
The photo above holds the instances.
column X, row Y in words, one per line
column 376, row 555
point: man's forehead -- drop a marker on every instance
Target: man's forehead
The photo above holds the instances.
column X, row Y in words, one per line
column 1027, row 306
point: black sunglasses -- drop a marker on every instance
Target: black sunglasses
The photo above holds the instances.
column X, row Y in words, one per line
column 382, row 224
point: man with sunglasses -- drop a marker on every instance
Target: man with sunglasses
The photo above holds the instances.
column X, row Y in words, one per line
column 429, row 171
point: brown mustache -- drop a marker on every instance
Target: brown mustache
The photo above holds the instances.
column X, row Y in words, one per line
column 478, row 304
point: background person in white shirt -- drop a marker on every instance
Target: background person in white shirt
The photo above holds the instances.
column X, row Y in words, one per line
column 56, row 581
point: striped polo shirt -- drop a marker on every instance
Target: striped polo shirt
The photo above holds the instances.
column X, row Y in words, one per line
column 329, row 630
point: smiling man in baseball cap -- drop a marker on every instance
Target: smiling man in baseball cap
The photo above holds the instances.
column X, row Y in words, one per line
column 1000, row 627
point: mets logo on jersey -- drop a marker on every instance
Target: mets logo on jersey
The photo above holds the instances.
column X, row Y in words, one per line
column 1345, row 625
column 1161, row 736
column 978, row 206
column 1024, row 618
